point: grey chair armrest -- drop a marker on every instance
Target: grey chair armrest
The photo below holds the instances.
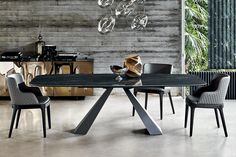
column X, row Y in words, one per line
column 211, row 98
column 19, row 97
column 35, row 90
column 218, row 96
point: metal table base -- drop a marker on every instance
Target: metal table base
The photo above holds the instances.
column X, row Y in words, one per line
column 87, row 121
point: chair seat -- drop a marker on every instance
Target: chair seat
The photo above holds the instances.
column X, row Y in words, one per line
column 43, row 100
column 152, row 90
column 193, row 101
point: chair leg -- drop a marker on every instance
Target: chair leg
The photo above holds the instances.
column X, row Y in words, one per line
column 223, row 121
column 146, row 100
column 12, row 122
column 18, row 118
column 44, row 122
column 191, row 120
column 133, row 112
column 171, row 103
column 186, row 116
column 161, row 105
column 49, row 116
column 217, row 119
column 135, row 93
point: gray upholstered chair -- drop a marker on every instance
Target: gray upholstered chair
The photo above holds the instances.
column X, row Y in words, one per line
column 156, row 68
column 24, row 97
column 211, row 96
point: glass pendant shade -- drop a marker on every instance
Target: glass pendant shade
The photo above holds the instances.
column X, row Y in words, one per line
column 105, row 3
column 138, row 1
column 106, row 24
column 139, row 22
column 124, row 8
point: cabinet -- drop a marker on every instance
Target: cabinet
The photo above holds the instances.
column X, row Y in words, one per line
column 6, row 68
column 32, row 69
column 87, row 68
column 3, row 86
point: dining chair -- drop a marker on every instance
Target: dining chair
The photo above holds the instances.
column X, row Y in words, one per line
column 211, row 96
column 25, row 97
column 156, row 68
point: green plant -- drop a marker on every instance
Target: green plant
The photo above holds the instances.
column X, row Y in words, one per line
column 196, row 35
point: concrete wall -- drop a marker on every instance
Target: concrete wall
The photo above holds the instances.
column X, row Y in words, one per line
column 71, row 25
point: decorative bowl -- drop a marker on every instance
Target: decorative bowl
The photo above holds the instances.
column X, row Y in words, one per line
column 118, row 70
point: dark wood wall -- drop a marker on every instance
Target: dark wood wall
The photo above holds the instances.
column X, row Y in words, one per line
column 222, row 34
column 71, row 25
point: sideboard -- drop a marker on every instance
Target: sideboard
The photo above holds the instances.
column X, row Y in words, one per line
column 30, row 69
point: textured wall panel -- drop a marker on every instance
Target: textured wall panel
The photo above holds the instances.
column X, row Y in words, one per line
column 71, row 25
column 222, row 34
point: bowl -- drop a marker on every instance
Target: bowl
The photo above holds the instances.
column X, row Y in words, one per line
column 116, row 69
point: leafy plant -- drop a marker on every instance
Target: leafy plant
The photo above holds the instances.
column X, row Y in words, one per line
column 196, row 35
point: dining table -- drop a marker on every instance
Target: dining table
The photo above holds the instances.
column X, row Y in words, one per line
column 109, row 82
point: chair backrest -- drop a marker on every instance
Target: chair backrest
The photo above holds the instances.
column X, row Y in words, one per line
column 215, row 82
column 12, row 81
column 17, row 96
column 223, row 86
column 220, row 82
column 17, row 77
column 156, row 68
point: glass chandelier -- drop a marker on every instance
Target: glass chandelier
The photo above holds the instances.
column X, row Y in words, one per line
column 123, row 9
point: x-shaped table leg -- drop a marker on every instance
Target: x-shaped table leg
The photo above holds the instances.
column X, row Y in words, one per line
column 90, row 117
column 150, row 124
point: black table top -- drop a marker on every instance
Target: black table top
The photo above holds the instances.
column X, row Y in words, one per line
column 108, row 80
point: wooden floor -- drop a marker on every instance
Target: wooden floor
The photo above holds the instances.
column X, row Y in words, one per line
column 116, row 133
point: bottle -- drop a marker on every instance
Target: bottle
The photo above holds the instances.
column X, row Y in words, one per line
column 39, row 45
